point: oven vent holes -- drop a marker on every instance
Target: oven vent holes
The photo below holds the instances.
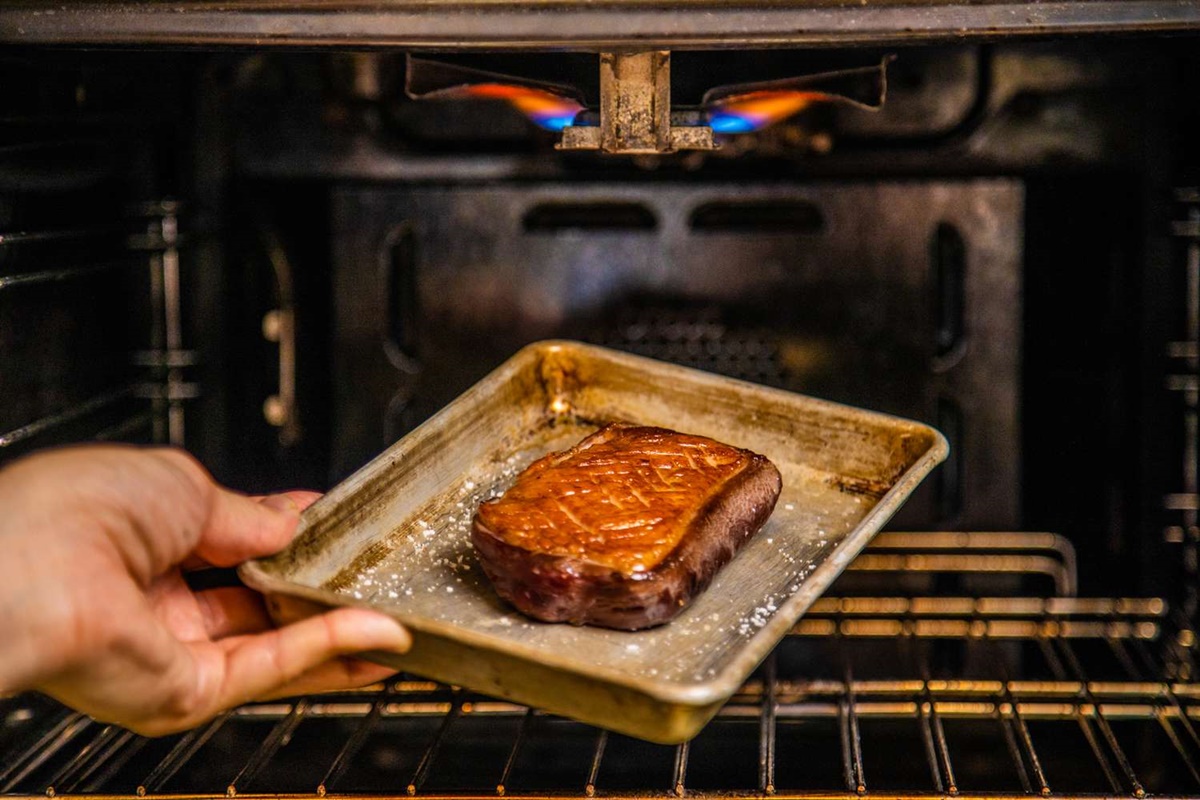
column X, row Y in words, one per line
column 948, row 267
column 757, row 217
column 402, row 312
column 596, row 216
column 696, row 335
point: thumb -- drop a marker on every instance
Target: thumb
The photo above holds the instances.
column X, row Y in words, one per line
column 239, row 528
column 300, row 498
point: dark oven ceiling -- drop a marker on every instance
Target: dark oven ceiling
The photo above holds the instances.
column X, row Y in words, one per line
column 575, row 24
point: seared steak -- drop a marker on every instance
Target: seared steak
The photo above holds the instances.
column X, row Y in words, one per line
column 625, row 528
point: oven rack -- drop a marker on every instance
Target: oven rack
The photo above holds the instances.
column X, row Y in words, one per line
column 1184, row 382
column 146, row 403
column 890, row 689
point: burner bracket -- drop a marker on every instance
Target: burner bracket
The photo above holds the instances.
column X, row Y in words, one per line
column 635, row 110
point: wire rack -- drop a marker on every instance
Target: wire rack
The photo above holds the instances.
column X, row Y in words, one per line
column 1184, row 381
column 898, row 696
column 145, row 401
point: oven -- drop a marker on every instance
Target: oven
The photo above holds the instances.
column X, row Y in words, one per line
column 232, row 228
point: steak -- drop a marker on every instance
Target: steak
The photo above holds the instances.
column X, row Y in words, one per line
column 624, row 529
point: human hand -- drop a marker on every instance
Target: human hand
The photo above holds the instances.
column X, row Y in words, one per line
column 96, row 613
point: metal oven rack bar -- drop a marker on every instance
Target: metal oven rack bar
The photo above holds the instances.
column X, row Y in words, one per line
column 1184, row 380
column 149, row 240
column 1026, row 715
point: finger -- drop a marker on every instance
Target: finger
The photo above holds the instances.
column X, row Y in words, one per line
column 167, row 508
column 232, row 611
column 297, row 499
column 302, row 498
column 175, row 606
column 238, row 528
column 150, row 504
column 338, row 675
column 260, row 664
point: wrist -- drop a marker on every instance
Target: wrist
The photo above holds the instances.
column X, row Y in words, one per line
column 32, row 596
column 21, row 662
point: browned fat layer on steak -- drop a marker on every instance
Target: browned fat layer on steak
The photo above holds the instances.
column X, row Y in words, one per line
column 625, row 528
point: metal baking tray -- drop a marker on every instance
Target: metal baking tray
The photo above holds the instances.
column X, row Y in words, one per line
column 395, row 535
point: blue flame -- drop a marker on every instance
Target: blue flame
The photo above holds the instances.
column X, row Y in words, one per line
column 554, row 123
column 723, row 122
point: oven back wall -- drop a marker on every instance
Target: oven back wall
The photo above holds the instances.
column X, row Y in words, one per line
column 902, row 296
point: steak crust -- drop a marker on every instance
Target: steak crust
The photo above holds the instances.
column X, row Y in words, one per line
column 624, row 529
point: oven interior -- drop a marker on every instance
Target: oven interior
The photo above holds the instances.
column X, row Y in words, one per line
column 282, row 263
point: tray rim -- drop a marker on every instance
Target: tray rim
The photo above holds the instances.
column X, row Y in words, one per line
column 694, row 694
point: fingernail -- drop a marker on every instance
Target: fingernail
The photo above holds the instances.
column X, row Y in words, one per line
column 283, row 503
